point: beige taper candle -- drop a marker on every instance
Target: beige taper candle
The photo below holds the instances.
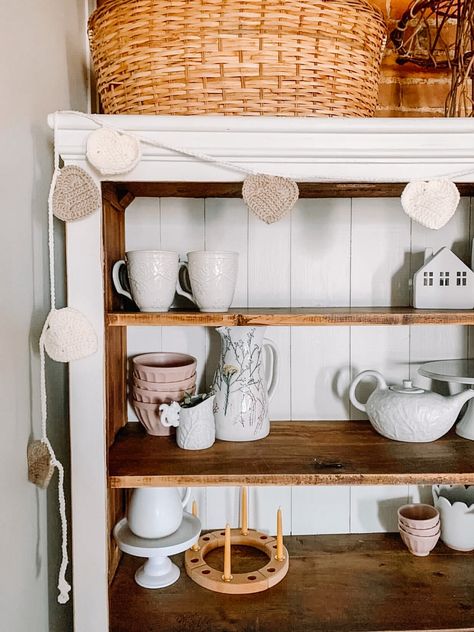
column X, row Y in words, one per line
column 227, row 576
column 279, row 551
column 195, row 547
column 244, row 519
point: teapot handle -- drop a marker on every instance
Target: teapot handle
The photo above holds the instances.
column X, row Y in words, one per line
column 186, row 497
column 381, row 383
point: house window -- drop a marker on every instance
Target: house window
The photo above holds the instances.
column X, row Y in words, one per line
column 461, row 278
column 444, row 278
column 427, row 278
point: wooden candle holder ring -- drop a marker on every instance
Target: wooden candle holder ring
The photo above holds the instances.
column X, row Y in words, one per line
column 241, row 583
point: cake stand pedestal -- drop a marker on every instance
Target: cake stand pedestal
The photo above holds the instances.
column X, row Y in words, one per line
column 158, row 571
column 458, row 372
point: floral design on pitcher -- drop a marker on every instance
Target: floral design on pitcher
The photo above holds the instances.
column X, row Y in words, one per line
column 239, row 378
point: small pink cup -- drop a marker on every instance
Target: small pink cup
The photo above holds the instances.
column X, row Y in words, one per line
column 421, row 533
column 419, row 546
column 418, row 516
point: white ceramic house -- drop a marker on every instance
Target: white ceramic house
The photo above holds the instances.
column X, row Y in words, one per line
column 443, row 281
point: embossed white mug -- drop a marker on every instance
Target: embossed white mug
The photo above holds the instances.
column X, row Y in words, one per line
column 152, row 278
column 213, row 276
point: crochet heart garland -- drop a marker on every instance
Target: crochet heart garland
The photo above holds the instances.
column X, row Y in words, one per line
column 112, row 152
column 75, row 194
column 269, row 197
column 432, row 203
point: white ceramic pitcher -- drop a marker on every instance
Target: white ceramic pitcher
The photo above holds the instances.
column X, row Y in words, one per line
column 195, row 427
column 155, row 512
column 241, row 390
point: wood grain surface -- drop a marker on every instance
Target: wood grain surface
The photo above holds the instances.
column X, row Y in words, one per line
column 234, row 189
column 348, row 583
column 285, row 316
column 295, row 453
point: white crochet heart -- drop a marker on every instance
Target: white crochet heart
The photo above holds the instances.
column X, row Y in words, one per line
column 69, row 336
column 112, row 152
column 431, row 204
column 269, row 197
column 75, row 194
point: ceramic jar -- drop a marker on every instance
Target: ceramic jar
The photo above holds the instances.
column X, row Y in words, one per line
column 195, row 427
column 455, row 504
column 241, row 388
column 155, row 512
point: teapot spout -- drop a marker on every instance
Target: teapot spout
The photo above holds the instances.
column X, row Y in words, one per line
column 460, row 399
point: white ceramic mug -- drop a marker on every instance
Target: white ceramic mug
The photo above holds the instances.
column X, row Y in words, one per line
column 213, row 276
column 152, row 277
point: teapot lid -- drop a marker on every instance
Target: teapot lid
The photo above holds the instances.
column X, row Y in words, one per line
column 406, row 387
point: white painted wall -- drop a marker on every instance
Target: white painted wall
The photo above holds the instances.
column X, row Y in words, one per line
column 42, row 69
column 335, row 252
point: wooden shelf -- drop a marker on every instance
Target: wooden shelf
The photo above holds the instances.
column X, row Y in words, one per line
column 336, row 583
column 127, row 191
column 295, row 453
column 309, row 316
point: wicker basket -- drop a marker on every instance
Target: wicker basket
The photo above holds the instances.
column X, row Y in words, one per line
column 238, row 57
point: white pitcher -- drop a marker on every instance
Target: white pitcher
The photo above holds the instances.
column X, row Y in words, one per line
column 155, row 512
column 195, row 427
column 241, row 390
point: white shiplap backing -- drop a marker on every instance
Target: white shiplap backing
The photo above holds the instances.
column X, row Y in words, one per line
column 327, row 252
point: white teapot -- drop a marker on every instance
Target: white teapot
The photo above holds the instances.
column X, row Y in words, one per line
column 155, row 512
column 406, row 413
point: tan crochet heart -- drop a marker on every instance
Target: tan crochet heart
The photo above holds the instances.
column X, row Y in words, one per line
column 112, row 152
column 269, row 197
column 75, row 194
column 431, row 204
column 40, row 467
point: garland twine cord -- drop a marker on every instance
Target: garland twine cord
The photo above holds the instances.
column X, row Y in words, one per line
column 234, row 166
column 63, row 586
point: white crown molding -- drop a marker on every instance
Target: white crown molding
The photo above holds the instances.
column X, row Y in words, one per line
column 338, row 148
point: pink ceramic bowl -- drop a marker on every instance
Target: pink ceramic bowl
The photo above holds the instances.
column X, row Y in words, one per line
column 160, row 397
column 182, row 385
column 421, row 547
column 418, row 516
column 164, row 366
column 149, row 416
column 422, row 533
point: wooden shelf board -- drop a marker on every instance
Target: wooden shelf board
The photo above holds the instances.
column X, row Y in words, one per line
column 336, row 583
column 295, row 453
column 234, row 189
column 286, row 316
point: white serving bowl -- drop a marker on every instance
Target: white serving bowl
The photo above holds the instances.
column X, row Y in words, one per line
column 455, row 504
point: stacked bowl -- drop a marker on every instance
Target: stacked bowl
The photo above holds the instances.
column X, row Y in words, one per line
column 160, row 378
column 419, row 527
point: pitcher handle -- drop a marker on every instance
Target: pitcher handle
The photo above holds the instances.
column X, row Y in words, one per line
column 170, row 414
column 116, row 279
column 186, row 497
column 275, row 373
column 179, row 289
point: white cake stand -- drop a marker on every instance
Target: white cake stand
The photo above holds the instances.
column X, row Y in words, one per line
column 158, row 571
column 459, row 372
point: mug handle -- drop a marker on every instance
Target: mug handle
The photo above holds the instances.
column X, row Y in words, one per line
column 179, row 290
column 275, row 372
column 116, row 279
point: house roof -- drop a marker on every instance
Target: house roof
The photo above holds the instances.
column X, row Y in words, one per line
column 444, row 256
